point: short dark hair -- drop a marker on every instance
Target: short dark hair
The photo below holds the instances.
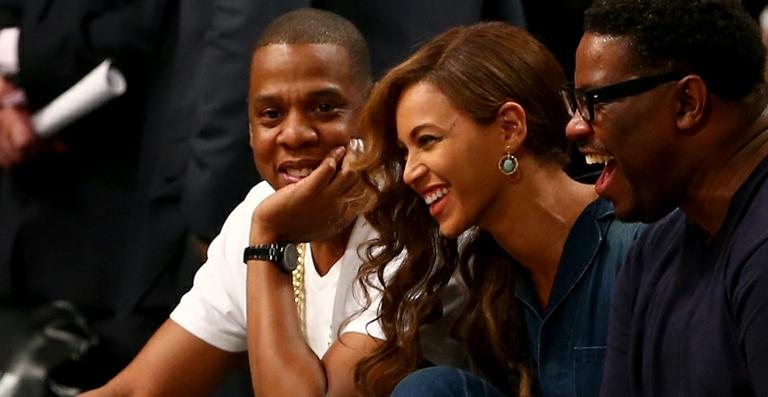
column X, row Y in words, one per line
column 715, row 39
column 313, row 26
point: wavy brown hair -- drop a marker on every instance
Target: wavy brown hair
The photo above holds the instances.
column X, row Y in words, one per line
column 478, row 68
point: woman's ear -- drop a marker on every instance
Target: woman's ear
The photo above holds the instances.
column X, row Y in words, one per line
column 511, row 121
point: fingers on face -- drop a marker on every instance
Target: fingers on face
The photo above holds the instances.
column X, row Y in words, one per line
column 327, row 172
column 321, row 177
column 346, row 179
column 333, row 179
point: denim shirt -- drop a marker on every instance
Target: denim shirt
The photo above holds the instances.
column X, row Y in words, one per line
column 567, row 338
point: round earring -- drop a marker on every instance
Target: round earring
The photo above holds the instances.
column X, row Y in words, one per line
column 508, row 163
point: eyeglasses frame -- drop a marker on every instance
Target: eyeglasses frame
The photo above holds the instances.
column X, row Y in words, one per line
column 574, row 97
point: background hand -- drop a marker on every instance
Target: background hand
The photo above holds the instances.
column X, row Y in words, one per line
column 17, row 140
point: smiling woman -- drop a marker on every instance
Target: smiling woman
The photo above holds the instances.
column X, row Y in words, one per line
column 465, row 146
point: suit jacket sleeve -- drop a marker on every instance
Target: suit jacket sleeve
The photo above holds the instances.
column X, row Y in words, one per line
column 77, row 35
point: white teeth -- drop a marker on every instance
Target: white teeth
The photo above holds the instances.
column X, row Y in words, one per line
column 298, row 172
column 592, row 158
column 436, row 195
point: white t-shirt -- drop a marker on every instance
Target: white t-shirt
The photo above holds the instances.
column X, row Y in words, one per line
column 321, row 291
column 214, row 308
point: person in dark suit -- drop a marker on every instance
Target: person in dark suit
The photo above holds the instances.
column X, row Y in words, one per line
column 92, row 215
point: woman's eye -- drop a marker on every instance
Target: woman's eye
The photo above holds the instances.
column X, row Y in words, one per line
column 426, row 140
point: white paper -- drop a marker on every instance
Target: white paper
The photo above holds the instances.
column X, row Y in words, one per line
column 97, row 87
column 9, row 51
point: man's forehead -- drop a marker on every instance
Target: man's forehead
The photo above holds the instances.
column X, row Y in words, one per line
column 318, row 55
column 300, row 62
column 601, row 59
column 276, row 94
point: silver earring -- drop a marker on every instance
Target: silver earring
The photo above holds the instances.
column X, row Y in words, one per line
column 508, row 163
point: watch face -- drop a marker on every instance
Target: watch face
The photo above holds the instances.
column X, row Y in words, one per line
column 290, row 257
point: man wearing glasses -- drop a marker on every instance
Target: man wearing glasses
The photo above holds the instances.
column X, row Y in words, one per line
column 670, row 95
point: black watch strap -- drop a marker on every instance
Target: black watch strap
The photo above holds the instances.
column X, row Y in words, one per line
column 284, row 255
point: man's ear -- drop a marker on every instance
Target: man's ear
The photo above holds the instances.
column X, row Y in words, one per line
column 692, row 101
column 511, row 121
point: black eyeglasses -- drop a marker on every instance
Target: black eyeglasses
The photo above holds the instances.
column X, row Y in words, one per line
column 583, row 101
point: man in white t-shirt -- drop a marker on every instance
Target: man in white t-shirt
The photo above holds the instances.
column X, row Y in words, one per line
column 215, row 310
column 309, row 75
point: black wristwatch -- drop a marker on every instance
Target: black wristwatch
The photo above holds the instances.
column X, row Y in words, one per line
column 284, row 255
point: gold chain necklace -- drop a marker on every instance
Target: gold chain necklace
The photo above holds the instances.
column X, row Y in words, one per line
column 299, row 295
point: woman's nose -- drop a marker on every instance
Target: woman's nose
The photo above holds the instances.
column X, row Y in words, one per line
column 413, row 170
